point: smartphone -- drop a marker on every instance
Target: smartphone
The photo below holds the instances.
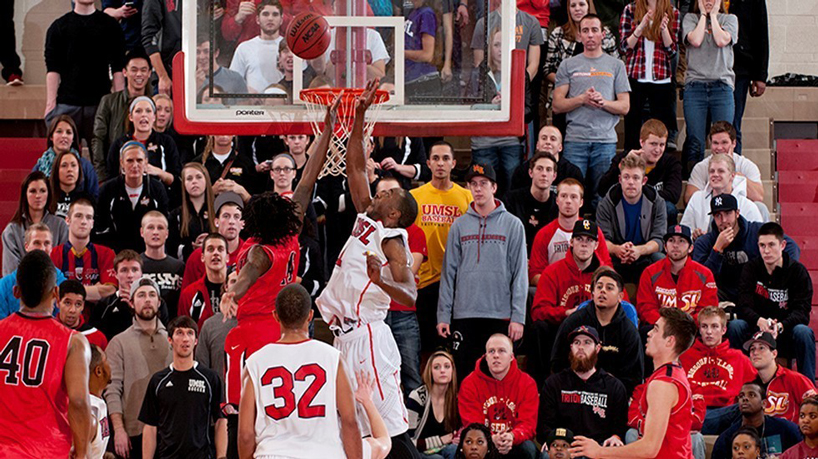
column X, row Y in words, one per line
column 129, row 4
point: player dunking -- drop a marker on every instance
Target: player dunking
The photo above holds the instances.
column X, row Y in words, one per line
column 44, row 404
column 356, row 299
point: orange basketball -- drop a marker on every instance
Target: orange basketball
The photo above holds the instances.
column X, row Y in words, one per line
column 308, row 35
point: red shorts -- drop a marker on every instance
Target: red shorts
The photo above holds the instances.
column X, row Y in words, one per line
column 240, row 343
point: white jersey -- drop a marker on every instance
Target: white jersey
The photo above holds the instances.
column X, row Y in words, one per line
column 99, row 411
column 295, row 388
column 350, row 299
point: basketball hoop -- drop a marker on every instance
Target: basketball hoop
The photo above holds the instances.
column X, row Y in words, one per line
column 317, row 100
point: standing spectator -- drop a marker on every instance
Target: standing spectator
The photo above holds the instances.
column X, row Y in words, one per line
column 82, row 48
column 135, row 354
column 641, row 209
column 440, row 203
column 200, row 300
column 497, row 394
column 583, row 398
column 72, row 303
column 775, row 296
column 9, row 58
column 162, row 37
column 421, row 75
column 752, row 55
column 125, row 199
column 709, row 35
column 433, row 416
column 593, row 102
column 194, row 219
column 228, row 170
column 403, row 157
column 109, row 122
column 178, row 417
column 809, row 429
column 528, row 37
column 537, row 205
column 210, row 350
column 98, row 380
column 129, row 16
column 260, row 73
column 465, row 308
column 549, row 141
column 229, row 81
column 64, row 181
column 33, row 206
column 81, row 259
column 649, row 30
column 63, row 137
column 157, row 265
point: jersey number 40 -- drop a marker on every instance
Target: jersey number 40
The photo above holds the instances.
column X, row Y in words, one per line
column 284, row 391
column 32, row 362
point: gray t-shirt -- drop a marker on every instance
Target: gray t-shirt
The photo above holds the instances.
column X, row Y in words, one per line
column 528, row 31
column 708, row 62
column 606, row 75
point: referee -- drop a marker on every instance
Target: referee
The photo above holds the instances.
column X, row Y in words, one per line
column 181, row 403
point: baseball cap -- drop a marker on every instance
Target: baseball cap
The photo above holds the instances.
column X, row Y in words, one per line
column 585, row 228
column 679, row 230
column 228, row 197
column 145, row 281
column 761, row 337
column 560, row 433
column 723, row 202
column 584, row 330
column 478, row 169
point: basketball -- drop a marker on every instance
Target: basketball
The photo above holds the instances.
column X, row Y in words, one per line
column 308, row 35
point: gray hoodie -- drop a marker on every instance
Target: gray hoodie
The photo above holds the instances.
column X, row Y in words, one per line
column 485, row 268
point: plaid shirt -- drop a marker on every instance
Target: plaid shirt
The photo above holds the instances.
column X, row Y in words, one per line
column 662, row 55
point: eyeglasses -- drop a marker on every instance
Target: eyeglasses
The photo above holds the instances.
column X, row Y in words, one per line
column 279, row 170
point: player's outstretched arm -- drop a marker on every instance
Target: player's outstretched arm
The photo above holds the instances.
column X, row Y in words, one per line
column 356, row 159
column 317, row 155
column 76, row 385
column 380, row 442
column 350, row 433
column 402, row 287
column 247, row 419
column 257, row 264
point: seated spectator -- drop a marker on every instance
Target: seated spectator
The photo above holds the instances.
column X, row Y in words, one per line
column 549, row 141
column 188, row 146
column 729, row 244
column 210, row 349
column 109, row 123
column 552, row 242
column 403, row 157
column 192, row 221
column 259, row 73
column 621, row 354
column 562, row 287
column 65, row 181
column 664, row 172
column 476, row 442
column 638, row 243
column 34, row 206
column 200, row 300
column 499, row 395
column 535, row 206
column 114, row 314
column 807, row 425
column 228, row 170
column 558, row 444
column 81, row 259
column 72, row 305
column 675, row 281
column 163, row 157
column 229, row 81
column 585, row 399
column 777, row 435
column 722, row 172
column 157, row 265
column 297, row 147
column 37, row 237
column 748, row 176
column 775, row 296
column 135, row 354
column 432, row 408
column 712, row 366
column 229, row 224
column 62, row 137
column 421, row 75
column 746, row 443
column 125, row 199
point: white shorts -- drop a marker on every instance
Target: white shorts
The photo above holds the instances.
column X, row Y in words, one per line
column 371, row 348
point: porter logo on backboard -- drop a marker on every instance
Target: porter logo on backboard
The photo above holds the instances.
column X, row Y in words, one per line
column 249, row 112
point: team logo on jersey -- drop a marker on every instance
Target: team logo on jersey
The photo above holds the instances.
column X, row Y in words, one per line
column 777, row 403
column 196, row 385
column 776, row 295
column 598, row 402
column 500, row 412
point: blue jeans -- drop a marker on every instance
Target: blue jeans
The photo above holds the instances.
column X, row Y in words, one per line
column 740, row 100
column 672, row 214
column 593, row 159
column 799, row 341
column 700, row 99
column 405, row 329
column 504, row 160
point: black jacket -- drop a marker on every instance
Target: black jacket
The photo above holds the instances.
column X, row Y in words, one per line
column 162, row 30
column 117, row 222
column 596, row 408
column 621, row 353
column 666, row 177
column 241, row 170
column 408, row 151
column 521, row 179
column 784, row 295
column 534, row 214
column 162, row 153
column 752, row 51
column 181, row 247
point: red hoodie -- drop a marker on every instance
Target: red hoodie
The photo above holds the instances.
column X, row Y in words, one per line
column 785, row 392
column 694, row 290
column 562, row 286
column 552, row 243
column 717, row 372
column 503, row 405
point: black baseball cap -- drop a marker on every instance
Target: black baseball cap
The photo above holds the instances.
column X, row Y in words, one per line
column 585, row 227
column 584, row 330
column 478, row 169
column 560, row 433
column 678, row 230
column 722, row 203
column 761, row 337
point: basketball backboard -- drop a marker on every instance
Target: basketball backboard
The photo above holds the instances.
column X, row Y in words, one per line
column 451, row 88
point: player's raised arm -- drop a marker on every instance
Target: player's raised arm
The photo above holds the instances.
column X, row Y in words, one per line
column 76, row 385
column 317, row 155
column 356, row 159
column 247, row 419
column 350, row 432
column 402, row 288
column 380, row 443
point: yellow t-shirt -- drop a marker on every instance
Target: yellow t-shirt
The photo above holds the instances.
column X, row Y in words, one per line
column 437, row 210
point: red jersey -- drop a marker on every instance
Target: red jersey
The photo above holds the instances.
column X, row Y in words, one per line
column 417, row 244
column 33, row 399
column 260, row 297
column 195, row 268
column 95, row 264
column 719, row 372
column 195, row 302
column 562, row 286
column 551, row 244
column 676, row 443
column 694, row 290
column 241, row 342
column 785, row 392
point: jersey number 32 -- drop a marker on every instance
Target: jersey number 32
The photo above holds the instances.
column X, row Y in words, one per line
column 284, row 391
